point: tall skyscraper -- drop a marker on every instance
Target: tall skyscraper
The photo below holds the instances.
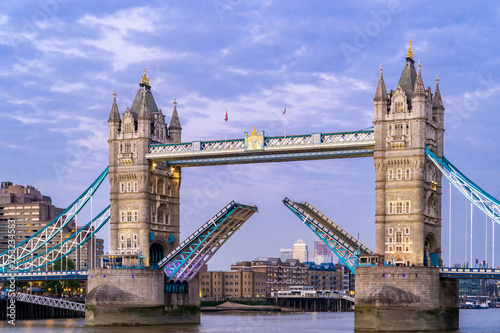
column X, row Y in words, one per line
column 286, row 254
column 300, row 251
column 321, row 253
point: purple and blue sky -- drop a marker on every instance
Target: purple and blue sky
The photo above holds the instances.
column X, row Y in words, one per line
column 61, row 60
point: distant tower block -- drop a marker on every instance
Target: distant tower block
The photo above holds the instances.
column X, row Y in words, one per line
column 300, row 251
column 144, row 195
column 408, row 185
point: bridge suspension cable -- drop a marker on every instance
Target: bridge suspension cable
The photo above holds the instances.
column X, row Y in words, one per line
column 68, row 246
column 27, row 248
column 473, row 193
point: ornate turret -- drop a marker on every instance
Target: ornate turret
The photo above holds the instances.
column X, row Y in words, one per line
column 437, row 102
column 419, row 89
column 408, row 76
column 114, row 115
column 175, row 125
column 381, row 93
column 114, row 121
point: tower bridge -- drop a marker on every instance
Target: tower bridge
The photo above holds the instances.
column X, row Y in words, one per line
column 400, row 279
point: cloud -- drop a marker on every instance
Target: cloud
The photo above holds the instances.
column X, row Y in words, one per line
column 67, row 87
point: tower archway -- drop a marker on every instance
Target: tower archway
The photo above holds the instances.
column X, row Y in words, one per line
column 156, row 253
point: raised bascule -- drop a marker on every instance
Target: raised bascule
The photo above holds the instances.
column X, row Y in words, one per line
column 149, row 276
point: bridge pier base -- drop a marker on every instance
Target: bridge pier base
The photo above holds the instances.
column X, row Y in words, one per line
column 123, row 297
column 396, row 299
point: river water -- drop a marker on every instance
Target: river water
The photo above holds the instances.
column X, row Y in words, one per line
column 484, row 320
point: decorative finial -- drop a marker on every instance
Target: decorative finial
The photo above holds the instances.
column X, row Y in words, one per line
column 175, row 101
column 437, row 79
column 419, row 66
column 254, row 132
column 410, row 53
column 114, row 93
column 144, row 78
column 381, row 69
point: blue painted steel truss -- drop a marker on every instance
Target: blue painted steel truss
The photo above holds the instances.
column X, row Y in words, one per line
column 476, row 195
column 185, row 261
column 68, row 246
column 343, row 245
column 41, row 238
column 259, row 149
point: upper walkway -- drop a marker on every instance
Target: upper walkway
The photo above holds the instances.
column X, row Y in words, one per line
column 469, row 273
column 257, row 148
column 44, row 275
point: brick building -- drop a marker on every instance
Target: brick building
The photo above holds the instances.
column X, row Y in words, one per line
column 31, row 211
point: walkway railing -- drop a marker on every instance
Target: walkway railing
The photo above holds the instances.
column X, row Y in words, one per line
column 257, row 148
column 48, row 301
column 185, row 260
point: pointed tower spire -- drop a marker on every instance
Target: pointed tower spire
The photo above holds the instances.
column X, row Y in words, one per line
column 175, row 128
column 419, row 89
column 410, row 52
column 175, row 122
column 114, row 115
column 144, row 113
column 437, row 101
column 381, row 93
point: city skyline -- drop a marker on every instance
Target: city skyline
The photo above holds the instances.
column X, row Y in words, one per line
column 63, row 62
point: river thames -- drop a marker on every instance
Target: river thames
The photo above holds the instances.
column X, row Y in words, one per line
column 487, row 320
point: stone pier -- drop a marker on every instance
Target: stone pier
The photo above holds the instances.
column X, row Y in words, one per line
column 122, row 297
column 396, row 299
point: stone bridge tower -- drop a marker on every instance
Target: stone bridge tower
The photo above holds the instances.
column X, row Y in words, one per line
column 144, row 195
column 408, row 185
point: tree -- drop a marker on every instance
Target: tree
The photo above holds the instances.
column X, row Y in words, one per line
column 67, row 265
column 19, row 285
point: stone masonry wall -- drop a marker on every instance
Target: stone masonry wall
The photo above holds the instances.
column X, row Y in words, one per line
column 138, row 287
column 422, row 282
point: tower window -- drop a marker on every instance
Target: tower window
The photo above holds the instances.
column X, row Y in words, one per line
column 390, row 174
column 399, row 207
column 407, row 173
column 399, row 237
column 161, row 186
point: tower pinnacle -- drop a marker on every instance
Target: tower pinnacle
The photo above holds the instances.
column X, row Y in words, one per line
column 381, row 93
column 144, row 78
column 419, row 89
column 437, row 100
column 410, row 52
column 114, row 115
